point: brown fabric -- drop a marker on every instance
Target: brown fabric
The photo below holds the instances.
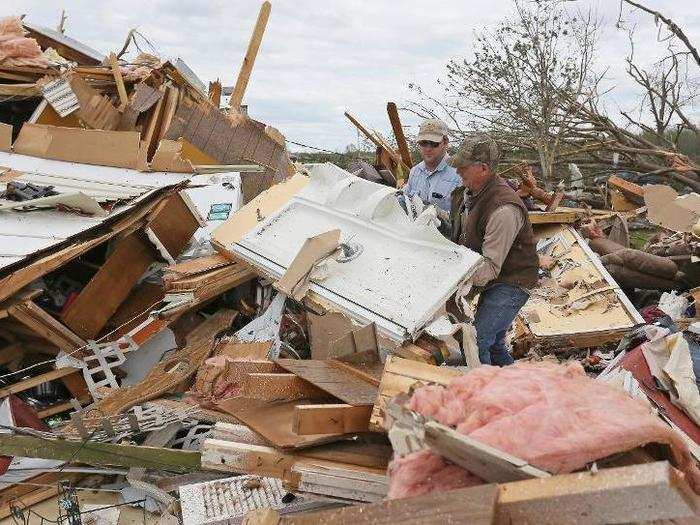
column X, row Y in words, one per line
column 521, row 264
column 604, row 246
column 630, row 279
column 642, row 262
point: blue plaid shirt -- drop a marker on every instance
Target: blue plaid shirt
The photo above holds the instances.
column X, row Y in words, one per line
column 433, row 187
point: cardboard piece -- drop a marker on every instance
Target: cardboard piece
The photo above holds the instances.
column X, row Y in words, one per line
column 295, row 281
column 87, row 146
column 5, row 137
column 168, row 157
column 667, row 209
column 265, row 204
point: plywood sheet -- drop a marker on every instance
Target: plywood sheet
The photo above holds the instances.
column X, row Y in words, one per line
column 274, row 421
column 337, row 381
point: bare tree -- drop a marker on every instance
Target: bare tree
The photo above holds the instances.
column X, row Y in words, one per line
column 647, row 141
column 523, row 80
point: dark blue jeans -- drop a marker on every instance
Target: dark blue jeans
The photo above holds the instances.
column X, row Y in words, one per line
column 498, row 305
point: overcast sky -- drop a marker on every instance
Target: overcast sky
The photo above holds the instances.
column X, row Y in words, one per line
column 320, row 58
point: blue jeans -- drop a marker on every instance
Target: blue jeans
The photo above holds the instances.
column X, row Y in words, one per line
column 498, row 305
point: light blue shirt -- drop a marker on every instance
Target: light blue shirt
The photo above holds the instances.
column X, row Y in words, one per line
column 433, row 187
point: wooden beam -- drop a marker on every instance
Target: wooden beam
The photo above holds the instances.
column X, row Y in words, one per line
column 637, row 493
column 398, row 134
column 251, row 54
column 633, row 192
column 331, row 419
column 37, row 380
column 100, row 454
column 364, row 130
column 121, row 89
column 42, row 324
column 482, row 460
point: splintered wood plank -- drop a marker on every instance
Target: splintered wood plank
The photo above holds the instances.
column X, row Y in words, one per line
column 274, row 421
column 338, row 382
column 21, row 386
column 482, row 460
column 109, row 287
column 249, row 59
column 402, row 374
column 632, row 494
column 41, row 323
column 168, row 373
column 195, row 266
column 473, row 506
column 328, row 419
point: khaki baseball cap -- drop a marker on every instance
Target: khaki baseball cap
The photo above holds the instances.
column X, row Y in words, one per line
column 432, row 129
column 479, row 147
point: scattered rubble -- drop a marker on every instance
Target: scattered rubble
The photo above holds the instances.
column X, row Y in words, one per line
column 193, row 324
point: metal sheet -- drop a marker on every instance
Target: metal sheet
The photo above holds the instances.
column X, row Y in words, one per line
column 103, row 183
column 406, row 271
column 25, row 233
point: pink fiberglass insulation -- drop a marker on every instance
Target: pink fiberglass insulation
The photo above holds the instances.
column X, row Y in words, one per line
column 554, row 417
column 15, row 48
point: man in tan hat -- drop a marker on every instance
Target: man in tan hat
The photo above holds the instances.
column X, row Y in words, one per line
column 433, row 179
column 498, row 227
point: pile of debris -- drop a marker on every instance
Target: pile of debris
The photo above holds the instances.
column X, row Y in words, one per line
column 192, row 324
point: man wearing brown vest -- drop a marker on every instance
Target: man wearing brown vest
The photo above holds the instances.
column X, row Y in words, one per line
column 497, row 227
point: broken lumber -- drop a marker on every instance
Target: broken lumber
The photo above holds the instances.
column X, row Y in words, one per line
column 399, row 376
column 482, row 460
column 251, row 54
column 44, row 325
column 633, row 192
column 336, row 380
column 636, row 493
column 109, row 287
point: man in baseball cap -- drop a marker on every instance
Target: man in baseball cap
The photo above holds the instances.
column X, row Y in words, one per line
column 497, row 227
column 433, row 179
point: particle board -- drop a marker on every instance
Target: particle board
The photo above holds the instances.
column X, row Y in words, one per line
column 274, row 421
column 400, row 376
column 631, row 494
column 337, row 381
column 331, row 418
column 276, row 387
